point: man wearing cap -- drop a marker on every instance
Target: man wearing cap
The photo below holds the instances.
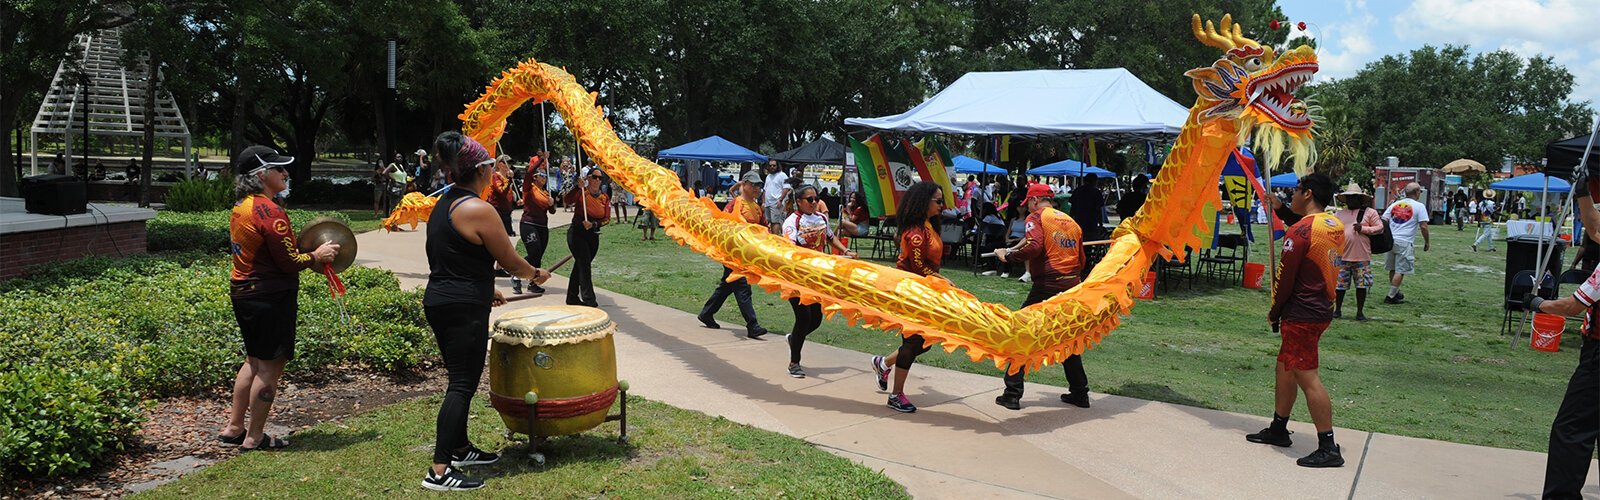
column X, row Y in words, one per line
column 537, row 206
column 1406, row 217
column 747, row 207
column 1052, row 247
column 1355, row 260
column 264, row 290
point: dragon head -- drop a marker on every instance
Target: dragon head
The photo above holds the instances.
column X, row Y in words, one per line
column 1255, row 86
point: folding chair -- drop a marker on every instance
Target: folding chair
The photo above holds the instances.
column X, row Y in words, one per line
column 1225, row 261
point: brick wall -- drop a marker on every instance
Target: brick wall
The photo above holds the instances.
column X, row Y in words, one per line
column 20, row 251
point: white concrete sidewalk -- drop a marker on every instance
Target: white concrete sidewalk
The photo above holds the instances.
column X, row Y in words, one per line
column 959, row 444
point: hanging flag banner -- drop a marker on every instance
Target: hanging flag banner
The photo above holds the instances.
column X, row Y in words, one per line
column 869, row 171
column 940, row 165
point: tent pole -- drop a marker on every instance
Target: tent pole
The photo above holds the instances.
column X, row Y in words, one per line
column 1539, row 259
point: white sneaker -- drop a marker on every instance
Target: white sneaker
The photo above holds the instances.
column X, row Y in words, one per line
column 1006, row 275
column 1026, row 278
column 990, row 272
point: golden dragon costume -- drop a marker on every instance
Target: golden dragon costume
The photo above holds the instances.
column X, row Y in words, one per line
column 1250, row 89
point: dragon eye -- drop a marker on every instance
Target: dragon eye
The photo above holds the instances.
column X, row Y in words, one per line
column 1252, row 64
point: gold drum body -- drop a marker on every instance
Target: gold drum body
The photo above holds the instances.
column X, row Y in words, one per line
column 563, row 359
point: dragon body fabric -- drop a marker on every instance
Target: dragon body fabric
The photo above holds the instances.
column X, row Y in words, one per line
column 895, row 300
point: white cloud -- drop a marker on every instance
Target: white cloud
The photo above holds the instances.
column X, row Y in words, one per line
column 1346, row 47
column 1557, row 22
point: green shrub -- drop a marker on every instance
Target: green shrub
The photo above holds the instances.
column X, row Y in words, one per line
column 59, row 420
column 200, row 195
column 207, row 231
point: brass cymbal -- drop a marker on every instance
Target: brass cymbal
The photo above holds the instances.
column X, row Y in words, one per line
column 325, row 229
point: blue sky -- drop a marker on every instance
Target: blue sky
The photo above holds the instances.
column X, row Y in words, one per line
column 1356, row 32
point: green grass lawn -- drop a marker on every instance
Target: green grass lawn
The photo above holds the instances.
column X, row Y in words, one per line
column 1435, row 367
column 671, row 453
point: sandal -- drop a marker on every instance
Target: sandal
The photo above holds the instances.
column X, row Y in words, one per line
column 267, row 443
column 233, row 440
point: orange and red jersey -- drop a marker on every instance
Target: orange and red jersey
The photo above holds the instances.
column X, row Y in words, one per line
column 265, row 258
column 921, row 250
column 1306, row 276
column 598, row 208
column 537, row 205
column 748, row 211
column 1052, row 245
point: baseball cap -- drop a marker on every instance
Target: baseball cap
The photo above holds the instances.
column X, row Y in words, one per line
column 255, row 159
column 752, row 177
column 1040, row 190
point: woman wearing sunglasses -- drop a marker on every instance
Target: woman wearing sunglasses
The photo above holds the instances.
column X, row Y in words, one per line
column 808, row 228
column 265, row 290
column 921, row 252
column 583, row 236
column 465, row 240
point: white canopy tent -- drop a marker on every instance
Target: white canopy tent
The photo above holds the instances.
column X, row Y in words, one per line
column 1106, row 104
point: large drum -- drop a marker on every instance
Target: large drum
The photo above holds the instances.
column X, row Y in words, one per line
column 556, row 364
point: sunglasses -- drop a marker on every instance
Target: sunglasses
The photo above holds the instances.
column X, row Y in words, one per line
column 812, row 199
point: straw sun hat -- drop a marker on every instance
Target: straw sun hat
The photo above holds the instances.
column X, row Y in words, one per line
column 1354, row 190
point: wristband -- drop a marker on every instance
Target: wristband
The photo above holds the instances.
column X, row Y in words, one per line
column 1534, row 305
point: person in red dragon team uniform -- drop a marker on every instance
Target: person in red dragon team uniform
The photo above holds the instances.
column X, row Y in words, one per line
column 1302, row 308
column 1052, row 246
column 265, row 290
column 921, row 252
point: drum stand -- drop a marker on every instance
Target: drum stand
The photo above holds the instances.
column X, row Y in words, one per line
column 533, row 423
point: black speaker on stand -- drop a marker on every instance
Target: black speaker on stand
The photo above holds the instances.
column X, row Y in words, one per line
column 54, row 195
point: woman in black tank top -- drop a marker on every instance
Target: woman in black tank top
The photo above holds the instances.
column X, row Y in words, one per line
column 465, row 240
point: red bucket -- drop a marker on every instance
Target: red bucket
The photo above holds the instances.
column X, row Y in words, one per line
column 1147, row 289
column 1253, row 272
column 1547, row 332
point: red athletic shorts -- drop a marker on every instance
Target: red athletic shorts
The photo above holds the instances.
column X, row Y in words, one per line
column 1298, row 351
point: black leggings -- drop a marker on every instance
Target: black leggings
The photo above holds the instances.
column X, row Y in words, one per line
column 806, row 320
column 534, row 240
column 462, row 331
column 583, row 243
column 910, row 348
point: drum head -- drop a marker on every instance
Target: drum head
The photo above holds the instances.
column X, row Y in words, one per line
column 325, row 229
column 552, row 325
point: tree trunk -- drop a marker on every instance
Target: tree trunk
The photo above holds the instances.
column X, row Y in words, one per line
column 8, row 163
column 151, row 90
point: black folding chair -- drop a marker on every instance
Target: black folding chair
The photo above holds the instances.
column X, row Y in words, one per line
column 1522, row 284
column 1225, row 261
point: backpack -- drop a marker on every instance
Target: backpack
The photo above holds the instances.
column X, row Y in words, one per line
column 1382, row 242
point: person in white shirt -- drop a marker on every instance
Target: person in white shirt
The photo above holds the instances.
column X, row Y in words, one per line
column 1406, row 217
column 1487, row 232
column 774, row 191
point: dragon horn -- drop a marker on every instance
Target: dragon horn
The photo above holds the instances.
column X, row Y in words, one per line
column 1209, row 36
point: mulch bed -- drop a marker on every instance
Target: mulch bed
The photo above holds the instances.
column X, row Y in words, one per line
column 179, row 434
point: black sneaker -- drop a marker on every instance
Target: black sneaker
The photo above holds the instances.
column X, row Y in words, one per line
column 796, row 371
column 1270, row 436
column 1323, row 457
column 1398, row 299
column 532, row 288
column 452, row 480
column 899, row 403
column 708, row 321
column 473, row 456
column 755, row 332
column 516, row 286
column 881, row 369
column 1010, row 402
column 1080, row 400
column 1338, row 314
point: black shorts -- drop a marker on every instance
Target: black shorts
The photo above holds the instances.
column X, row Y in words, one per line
column 267, row 323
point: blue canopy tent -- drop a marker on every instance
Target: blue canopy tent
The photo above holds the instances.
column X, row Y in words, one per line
column 1071, row 168
column 969, row 165
column 1533, row 182
column 713, row 148
column 1284, row 180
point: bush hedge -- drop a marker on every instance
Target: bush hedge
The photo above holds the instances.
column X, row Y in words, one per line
column 163, row 325
column 207, row 231
column 58, row 420
column 200, row 195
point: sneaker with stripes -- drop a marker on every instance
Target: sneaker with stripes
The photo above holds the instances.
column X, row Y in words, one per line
column 473, row 456
column 451, row 480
